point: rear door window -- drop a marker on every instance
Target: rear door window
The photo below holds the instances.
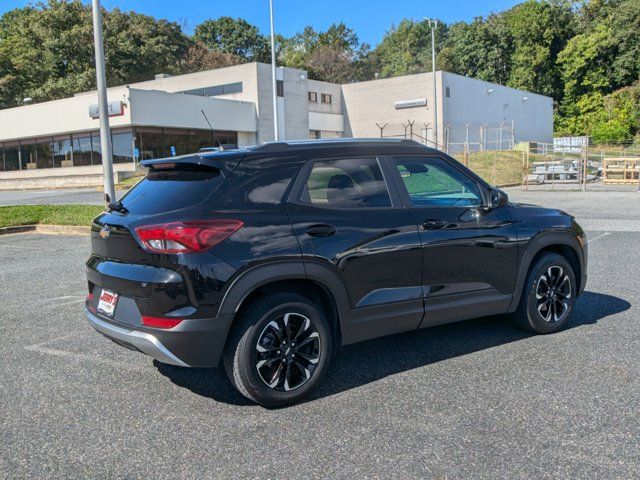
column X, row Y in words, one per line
column 347, row 183
column 166, row 190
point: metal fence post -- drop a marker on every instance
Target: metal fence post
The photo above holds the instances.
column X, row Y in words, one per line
column 495, row 154
column 446, row 133
column 465, row 156
column 585, row 157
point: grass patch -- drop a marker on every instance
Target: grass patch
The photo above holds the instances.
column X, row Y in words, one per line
column 48, row 214
column 497, row 168
column 129, row 182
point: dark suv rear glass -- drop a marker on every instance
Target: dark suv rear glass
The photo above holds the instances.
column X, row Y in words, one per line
column 166, row 190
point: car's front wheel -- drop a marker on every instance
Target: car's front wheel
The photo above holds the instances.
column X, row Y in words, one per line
column 278, row 349
column 548, row 296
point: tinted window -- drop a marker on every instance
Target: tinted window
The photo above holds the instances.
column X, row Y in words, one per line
column 347, row 183
column 171, row 190
column 432, row 181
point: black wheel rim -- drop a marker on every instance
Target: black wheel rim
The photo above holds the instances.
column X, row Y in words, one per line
column 288, row 352
column 553, row 294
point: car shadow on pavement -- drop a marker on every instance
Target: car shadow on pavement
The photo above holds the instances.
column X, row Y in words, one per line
column 367, row 362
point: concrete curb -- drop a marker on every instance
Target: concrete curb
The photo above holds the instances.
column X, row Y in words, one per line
column 47, row 229
column 17, row 229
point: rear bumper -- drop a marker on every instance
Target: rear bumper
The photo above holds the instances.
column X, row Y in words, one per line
column 193, row 343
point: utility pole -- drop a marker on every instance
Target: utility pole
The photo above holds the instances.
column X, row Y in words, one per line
column 273, row 75
column 105, row 131
column 433, row 24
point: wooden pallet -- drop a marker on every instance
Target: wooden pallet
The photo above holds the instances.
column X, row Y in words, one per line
column 620, row 170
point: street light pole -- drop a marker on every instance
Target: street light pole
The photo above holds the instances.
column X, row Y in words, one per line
column 101, row 79
column 273, row 75
column 433, row 24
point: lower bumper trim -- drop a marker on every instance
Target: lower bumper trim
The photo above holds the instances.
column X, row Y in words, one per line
column 145, row 342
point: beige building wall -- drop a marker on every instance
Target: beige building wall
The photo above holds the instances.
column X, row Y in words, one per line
column 59, row 116
column 366, row 104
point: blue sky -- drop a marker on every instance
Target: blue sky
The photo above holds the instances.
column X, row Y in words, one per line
column 370, row 18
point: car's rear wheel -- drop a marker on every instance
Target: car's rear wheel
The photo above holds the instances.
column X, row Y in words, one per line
column 278, row 349
column 548, row 296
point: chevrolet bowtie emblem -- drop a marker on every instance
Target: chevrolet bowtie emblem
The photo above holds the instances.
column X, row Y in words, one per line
column 104, row 232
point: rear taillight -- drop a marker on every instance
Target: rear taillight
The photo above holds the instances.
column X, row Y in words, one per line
column 186, row 237
column 160, row 322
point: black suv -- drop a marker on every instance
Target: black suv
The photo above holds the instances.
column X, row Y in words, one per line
column 271, row 257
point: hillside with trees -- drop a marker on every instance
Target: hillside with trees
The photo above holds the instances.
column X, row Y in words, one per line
column 586, row 55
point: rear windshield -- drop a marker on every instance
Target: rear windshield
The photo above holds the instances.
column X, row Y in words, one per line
column 171, row 190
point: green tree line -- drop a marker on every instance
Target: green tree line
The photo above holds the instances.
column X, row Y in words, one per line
column 586, row 54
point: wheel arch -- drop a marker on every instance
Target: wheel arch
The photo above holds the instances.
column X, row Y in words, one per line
column 564, row 244
column 320, row 286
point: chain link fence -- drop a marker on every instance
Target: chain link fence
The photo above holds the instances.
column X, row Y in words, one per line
column 456, row 138
column 491, row 152
column 584, row 168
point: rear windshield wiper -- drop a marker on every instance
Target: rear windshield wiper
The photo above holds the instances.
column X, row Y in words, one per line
column 118, row 207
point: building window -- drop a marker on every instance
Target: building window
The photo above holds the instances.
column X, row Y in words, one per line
column 28, row 155
column 122, row 147
column 326, row 98
column 315, row 134
column 62, row 152
column 313, row 97
column 176, row 142
column 149, row 143
column 216, row 90
column 81, row 150
column 43, row 152
column 11, row 156
column 280, row 88
column 447, row 92
column 96, row 148
column 199, row 139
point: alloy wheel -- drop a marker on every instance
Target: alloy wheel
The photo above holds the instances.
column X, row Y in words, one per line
column 553, row 294
column 287, row 352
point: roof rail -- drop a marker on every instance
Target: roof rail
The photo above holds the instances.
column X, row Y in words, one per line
column 287, row 145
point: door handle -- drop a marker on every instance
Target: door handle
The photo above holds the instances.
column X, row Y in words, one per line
column 322, row 230
column 434, row 224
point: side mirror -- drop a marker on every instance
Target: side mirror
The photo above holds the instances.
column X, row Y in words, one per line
column 496, row 198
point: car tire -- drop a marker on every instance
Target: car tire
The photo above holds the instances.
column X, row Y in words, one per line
column 263, row 360
column 548, row 295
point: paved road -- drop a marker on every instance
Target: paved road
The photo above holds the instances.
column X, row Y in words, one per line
column 89, row 196
column 479, row 399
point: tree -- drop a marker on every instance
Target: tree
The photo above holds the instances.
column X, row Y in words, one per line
column 234, row 36
column 540, row 30
column 331, row 55
column 479, row 49
column 625, row 36
column 330, row 64
column 46, row 52
column 586, row 64
column 199, row 58
column 406, row 48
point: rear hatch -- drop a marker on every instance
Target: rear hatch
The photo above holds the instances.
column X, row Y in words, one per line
column 174, row 189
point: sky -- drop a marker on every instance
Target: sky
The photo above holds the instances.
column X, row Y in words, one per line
column 370, row 18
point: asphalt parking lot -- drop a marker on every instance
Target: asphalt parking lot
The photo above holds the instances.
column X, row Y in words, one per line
column 479, row 399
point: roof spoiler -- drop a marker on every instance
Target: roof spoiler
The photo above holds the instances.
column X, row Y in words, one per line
column 223, row 147
column 194, row 162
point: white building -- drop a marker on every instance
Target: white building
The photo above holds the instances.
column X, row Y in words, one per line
column 164, row 116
